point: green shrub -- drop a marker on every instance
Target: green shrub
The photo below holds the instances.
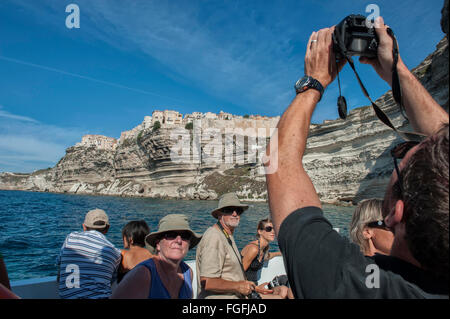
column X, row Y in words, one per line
column 156, row 126
column 189, row 126
column 139, row 136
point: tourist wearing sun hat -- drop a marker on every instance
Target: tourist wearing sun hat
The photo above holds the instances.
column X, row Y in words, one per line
column 169, row 223
column 228, row 201
column 166, row 275
column 218, row 262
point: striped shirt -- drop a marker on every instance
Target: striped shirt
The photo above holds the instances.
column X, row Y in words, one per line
column 88, row 265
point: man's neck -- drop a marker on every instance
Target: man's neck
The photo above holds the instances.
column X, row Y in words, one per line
column 229, row 230
column 399, row 249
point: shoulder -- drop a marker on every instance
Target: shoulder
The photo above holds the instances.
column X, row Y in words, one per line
column 212, row 231
column 139, row 274
column 302, row 217
column 75, row 234
column 135, row 284
column 211, row 237
column 250, row 250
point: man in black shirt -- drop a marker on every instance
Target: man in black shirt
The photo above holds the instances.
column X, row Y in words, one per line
column 319, row 262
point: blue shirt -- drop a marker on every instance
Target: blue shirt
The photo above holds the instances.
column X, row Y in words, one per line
column 88, row 265
column 158, row 291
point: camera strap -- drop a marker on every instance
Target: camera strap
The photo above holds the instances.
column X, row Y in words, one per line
column 396, row 92
column 227, row 236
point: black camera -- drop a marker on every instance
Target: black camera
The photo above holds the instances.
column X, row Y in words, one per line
column 273, row 283
column 281, row 280
column 254, row 295
column 352, row 37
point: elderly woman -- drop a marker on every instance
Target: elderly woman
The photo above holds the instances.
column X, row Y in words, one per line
column 367, row 228
column 166, row 275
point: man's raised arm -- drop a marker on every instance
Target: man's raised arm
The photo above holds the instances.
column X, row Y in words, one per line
column 290, row 187
column 425, row 114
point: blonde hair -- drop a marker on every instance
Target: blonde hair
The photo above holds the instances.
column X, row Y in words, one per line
column 368, row 210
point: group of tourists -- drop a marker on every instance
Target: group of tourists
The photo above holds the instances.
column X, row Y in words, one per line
column 151, row 265
column 405, row 235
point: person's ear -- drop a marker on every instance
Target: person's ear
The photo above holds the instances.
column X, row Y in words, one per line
column 395, row 216
column 84, row 227
column 367, row 233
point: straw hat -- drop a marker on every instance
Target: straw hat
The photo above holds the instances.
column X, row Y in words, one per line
column 173, row 222
column 228, row 200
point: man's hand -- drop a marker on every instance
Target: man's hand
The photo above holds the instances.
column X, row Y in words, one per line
column 320, row 62
column 384, row 60
column 282, row 291
column 261, row 289
column 245, row 287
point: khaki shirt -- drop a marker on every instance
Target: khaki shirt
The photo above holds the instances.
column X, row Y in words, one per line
column 215, row 259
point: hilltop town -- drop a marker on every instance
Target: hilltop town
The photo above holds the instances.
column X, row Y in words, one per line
column 173, row 119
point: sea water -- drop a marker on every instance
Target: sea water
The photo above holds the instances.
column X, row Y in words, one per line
column 33, row 225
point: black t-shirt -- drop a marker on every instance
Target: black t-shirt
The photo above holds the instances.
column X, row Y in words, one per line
column 320, row 263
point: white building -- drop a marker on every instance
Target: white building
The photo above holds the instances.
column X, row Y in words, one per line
column 99, row 141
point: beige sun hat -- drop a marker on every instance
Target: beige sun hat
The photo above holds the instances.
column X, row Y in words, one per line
column 173, row 222
column 228, row 200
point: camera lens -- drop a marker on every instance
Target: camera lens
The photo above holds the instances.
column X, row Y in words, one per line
column 358, row 45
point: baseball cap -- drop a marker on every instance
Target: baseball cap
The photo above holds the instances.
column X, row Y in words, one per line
column 96, row 219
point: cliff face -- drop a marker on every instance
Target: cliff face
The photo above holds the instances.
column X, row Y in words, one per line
column 346, row 160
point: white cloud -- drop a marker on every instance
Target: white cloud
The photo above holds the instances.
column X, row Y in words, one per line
column 7, row 115
column 27, row 145
column 220, row 48
column 248, row 53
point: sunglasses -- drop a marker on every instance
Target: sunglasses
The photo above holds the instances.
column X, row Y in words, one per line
column 377, row 224
column 268, row 229
column 231, row 210
column 171, row 235
column 399, row 152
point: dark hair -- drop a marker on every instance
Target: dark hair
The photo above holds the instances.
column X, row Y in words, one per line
column 426, row 200
column 136, row 231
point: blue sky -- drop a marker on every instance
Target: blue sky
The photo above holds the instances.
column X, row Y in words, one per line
column 129, row 58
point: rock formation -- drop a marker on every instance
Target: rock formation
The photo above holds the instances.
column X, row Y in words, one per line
column 346, row 160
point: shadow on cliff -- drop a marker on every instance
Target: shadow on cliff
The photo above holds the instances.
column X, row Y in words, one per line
column 374, row 184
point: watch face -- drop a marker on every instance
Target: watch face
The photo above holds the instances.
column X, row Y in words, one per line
column 302, row 84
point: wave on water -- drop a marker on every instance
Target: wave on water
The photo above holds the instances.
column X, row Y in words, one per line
column 14, row 243
column 35, row 227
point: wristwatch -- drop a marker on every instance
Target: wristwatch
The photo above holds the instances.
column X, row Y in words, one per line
column 306, row 83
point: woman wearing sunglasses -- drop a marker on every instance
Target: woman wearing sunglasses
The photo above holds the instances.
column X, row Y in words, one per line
column 256, row 253
column 166, row 275
column 367, row 228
